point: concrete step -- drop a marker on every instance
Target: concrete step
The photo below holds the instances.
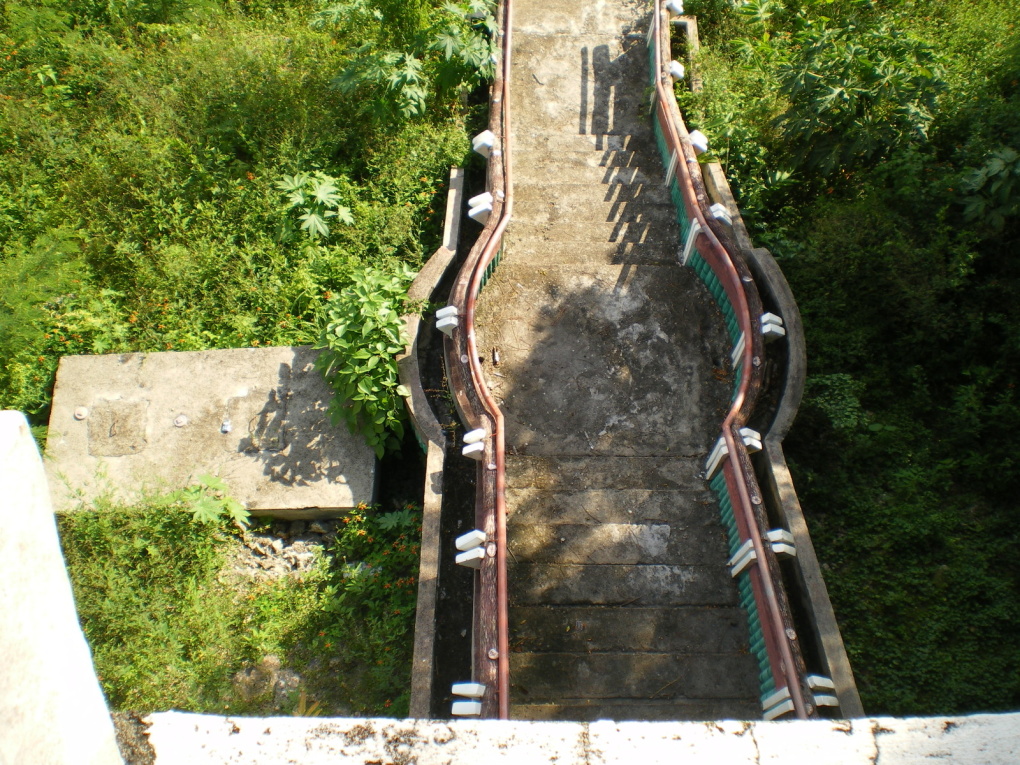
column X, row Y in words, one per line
column 538, row 18
column 574, row 198
column 616, row 543
column 522, row 248
column 693, row 506
column 592, row 168
column 631, row 228
column 604, row 472
column 588, row 710
column 580, row 83
column 687, row 630
column 526, row 139
column 541, row 676
column 642, row 585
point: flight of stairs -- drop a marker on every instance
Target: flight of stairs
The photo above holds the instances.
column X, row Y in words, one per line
column 612, row 379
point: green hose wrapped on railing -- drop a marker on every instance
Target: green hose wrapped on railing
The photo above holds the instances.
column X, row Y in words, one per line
column 758, row 649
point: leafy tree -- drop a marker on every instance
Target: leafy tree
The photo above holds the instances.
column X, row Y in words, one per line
column 414, row 54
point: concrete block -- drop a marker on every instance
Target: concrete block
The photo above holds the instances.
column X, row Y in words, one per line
column 676, row 71
column 675, row 7
column 256, row 417
column 52, row 709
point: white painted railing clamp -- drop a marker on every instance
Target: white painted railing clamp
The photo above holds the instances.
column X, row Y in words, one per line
column 777, row 704
column 446, row 319
column 474, row 451
column 699, row 141
column 471, row 558
column 692, row 235
column 827, row 688
column 474, row 436
column 716, row 457
column 676, row 71
column 480, row 207
column 483, row 143
column 470, row 540
column 772, row 326
column 719, row 212
column 751, row 439
column 472, row 545
column 742, row 558
column 468, row 690
column 466, row 709
column 782, row 542
column 738, row 349
column 671, row 167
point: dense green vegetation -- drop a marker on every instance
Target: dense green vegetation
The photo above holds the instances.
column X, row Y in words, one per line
column 192, row 174
column 171, row 624
column 873, row 146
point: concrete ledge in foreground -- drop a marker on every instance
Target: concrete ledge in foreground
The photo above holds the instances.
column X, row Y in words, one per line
column 188, row 739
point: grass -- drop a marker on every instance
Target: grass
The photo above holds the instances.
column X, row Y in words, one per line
column 171, row 624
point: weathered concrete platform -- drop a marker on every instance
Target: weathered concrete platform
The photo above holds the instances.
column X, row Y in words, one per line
column 612, row 383
column 255, row 417
column 184, row 739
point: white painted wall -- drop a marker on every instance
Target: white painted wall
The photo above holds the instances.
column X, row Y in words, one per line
column 52, row 711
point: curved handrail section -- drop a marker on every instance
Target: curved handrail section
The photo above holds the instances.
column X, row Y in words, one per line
column 477, row 407
column 709, row 247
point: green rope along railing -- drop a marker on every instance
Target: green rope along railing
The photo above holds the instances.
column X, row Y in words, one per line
column 766, row 682
column 491, row 269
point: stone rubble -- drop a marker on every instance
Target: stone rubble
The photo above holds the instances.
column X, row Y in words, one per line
column 286, row 548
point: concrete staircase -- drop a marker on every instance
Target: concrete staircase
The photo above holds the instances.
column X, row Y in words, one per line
column 612, row 381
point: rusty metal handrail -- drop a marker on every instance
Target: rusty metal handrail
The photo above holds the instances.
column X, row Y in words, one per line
column 740, row 475
column 478, row 408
